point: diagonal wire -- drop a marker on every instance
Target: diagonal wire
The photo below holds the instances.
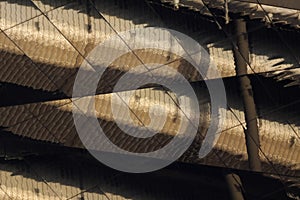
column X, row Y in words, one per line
column 234, row 45
column 31, row 113
column 168, row 93
column 71, row 43
column 86, row 61
column 230, row 108
column 92, row 65
column 5, row 192
column 43, row 179
column 40, row 14
column 248, row 62
column 270, row 20
column 117, row 33
column 133, row 53
column 97, row 185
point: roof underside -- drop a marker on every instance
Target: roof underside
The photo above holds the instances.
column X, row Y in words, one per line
column 254, row 9
column 44, row 53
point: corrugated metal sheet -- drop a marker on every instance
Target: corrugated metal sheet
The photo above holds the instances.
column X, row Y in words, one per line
column 67, row 179
column 51, row 63
column 56, row 63
column 64, row 173
column 279, row 15
column 53, row 121
column 56, row 60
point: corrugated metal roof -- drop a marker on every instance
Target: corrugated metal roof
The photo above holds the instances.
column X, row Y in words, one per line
column 65, row 177
column 53, row 121
column 279, row 15
column 56, row 63
column 54, row 55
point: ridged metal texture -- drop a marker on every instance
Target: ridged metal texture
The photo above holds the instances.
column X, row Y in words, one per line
column 266, row 13
column 64, row 178
column 52, row 60
column 53, row 121
column 57, row 56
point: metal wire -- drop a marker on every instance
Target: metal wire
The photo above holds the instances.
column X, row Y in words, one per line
column 235, row 46
column 91, row 65
column 5, row 192
column 125, row 41
column 43, row 179
column 232, row 110
column 248, row 62
column 31, row 113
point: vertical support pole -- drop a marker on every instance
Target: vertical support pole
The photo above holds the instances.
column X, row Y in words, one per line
column 241, row 57
column 234, row 186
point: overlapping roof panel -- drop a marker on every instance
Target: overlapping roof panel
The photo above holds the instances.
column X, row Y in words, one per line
column 44, row 49
column 58, row 47
column 253, row 10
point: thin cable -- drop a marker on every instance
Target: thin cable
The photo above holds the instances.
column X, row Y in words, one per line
column 50, row 79
column 141, row 63
column 248, row 63
column 140, row 58
column 235, row 46
column 31, row 113
column 82, row 192
column 5, row 192
column 270, row 20
column 27, row 20
column 92, row 65
column 43, row 179
column 230, row 109
column 224, row 163
column 104, row 18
